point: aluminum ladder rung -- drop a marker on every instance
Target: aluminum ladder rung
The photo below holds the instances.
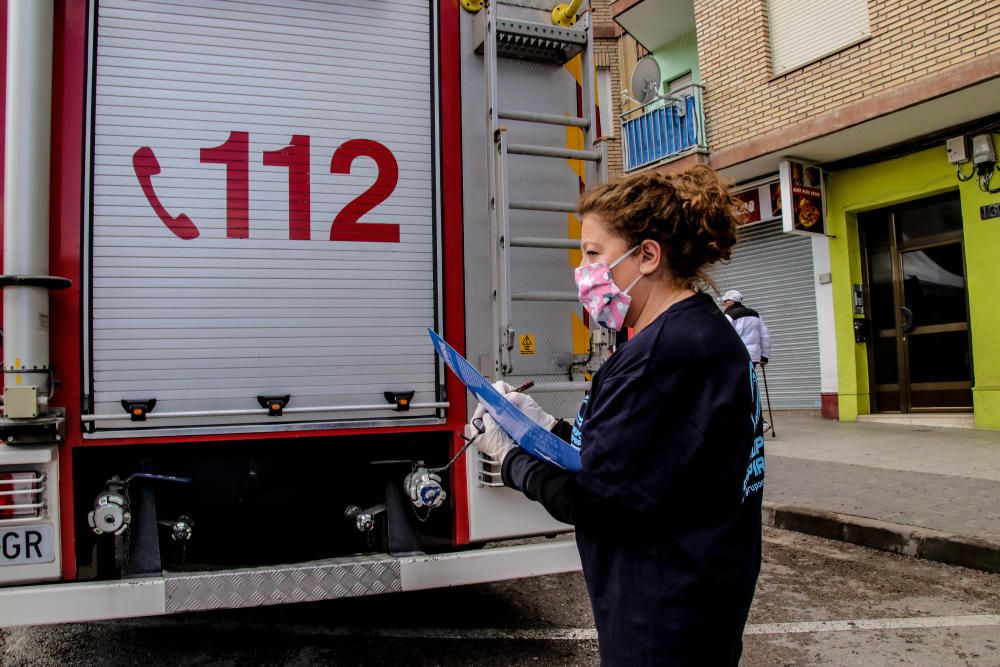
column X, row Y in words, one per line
column 552, row 151
column 554, row 206
column 539, row 242
column 571, row 297
column 546, row 118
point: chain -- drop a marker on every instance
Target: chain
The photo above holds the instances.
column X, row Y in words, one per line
column 468, row 443
column 478, row 425
column 425, row 517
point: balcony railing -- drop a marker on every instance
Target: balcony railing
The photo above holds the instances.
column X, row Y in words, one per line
column 664, row 129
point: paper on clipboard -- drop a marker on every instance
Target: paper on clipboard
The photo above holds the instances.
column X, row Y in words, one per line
column 527, row 434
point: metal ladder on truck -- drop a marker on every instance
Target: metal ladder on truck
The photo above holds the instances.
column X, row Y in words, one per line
column 555, row 45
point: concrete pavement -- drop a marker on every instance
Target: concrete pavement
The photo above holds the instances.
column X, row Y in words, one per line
column 918, row 490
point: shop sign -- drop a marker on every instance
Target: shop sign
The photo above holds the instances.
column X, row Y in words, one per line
column 802, row 198
column 758, row 203
column 748, row 206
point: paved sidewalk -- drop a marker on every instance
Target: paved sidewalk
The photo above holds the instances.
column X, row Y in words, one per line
column 924, row 491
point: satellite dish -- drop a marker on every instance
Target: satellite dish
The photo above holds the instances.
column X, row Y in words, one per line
column 646, row 80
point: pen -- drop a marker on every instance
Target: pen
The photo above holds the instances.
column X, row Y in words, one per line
column 525, row 387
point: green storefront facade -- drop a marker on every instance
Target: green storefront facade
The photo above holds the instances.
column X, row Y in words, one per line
column 916, row 277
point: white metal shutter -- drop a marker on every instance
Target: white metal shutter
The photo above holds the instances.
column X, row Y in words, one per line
column 210, row 323
column 774, row 271
column 803, row 31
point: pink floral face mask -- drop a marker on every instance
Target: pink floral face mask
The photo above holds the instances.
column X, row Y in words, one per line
column 600, row 296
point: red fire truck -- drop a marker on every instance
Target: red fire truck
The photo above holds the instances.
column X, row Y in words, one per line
column 228, row 225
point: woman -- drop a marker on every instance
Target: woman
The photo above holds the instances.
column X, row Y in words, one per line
column 667, row 504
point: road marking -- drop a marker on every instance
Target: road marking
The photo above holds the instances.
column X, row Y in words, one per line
column 590, row 634
column 917, row 622
column 549, row 634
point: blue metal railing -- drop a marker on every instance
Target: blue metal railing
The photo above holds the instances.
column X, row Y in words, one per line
column 664, row 128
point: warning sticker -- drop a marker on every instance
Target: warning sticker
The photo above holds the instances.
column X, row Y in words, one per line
column 527, row 344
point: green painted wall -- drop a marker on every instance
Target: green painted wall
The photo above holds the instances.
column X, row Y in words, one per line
column 874, row 186
column 679, row 57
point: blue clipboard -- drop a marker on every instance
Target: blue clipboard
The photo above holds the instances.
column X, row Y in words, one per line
column 530, row 436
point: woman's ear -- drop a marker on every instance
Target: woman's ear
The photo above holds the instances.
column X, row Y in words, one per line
column 649, row 256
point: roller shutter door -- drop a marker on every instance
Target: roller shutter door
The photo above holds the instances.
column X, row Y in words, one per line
column 296, row 138
column 774, row 271
column 803, row 31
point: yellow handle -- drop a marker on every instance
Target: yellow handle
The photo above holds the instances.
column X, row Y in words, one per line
column 565, row 15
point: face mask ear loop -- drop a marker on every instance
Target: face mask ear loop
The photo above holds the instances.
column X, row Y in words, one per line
column 619, row 261
column 629, row 288
column 622, row 258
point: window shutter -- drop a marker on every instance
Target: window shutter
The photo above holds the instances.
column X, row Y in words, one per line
column 776, row 275
column 803, row 31
column 211, row 323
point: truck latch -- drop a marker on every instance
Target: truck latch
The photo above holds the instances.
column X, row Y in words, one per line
column 401, row 399
column 137, row 409
column 275, row 405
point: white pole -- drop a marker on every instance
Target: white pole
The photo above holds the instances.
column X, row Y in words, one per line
column 26, row 191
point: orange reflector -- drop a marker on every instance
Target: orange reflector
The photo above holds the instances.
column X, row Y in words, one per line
column 137, row 411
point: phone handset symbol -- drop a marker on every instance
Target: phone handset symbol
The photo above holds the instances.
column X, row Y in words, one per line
column 146, row 166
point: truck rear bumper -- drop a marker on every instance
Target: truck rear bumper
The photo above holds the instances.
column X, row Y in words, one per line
column 302, row 582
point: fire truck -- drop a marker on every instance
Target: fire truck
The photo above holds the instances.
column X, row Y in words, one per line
column 227, row 228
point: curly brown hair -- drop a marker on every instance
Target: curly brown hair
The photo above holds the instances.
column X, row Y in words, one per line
column 689, row 213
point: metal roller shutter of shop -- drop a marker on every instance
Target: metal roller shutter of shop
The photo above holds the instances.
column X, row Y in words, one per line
column 774, row 271
column 208, row 323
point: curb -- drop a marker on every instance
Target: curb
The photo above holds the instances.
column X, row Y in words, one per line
column 894, row 537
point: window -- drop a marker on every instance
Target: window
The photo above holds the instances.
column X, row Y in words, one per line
column 680, row 83
column 605, row 102
column 803, row 31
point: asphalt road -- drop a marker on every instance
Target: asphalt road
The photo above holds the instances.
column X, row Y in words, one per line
column 818, row 603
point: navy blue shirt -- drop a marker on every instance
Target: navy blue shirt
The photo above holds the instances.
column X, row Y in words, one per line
column 667, row 504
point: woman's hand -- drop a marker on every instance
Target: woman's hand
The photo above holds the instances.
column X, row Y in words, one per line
column 491, row 440
column 530, row 407
column 526, row 404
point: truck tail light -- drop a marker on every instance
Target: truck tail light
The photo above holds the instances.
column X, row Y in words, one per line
column 21, row 495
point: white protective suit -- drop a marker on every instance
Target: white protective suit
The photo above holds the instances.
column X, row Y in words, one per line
column 755, row 335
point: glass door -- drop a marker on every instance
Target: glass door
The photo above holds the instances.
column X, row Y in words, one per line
column 920, row 358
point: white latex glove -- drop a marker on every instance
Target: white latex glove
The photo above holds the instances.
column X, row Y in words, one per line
column 526, row 404
column 493, row 441
column 530, row 407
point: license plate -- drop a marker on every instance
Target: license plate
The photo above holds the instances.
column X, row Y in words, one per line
column 25, row 545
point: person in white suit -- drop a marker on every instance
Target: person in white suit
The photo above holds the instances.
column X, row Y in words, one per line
column 755, row 335
column 749, row 325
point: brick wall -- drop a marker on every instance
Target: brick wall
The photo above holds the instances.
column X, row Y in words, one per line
column 606, row 57
column 910, row 39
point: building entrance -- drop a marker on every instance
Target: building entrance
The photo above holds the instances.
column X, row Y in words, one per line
column 920, row 357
